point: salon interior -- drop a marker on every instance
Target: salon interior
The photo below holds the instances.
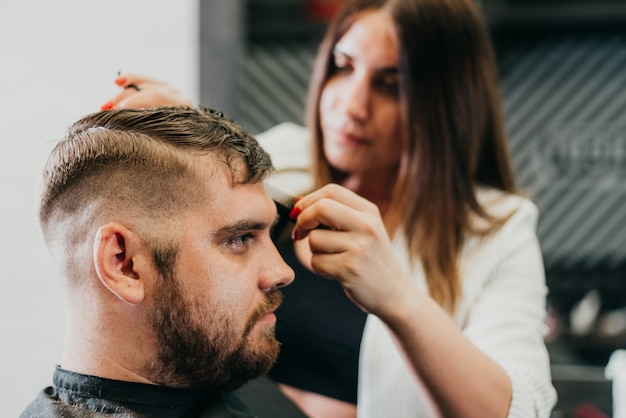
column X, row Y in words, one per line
column 562, row 66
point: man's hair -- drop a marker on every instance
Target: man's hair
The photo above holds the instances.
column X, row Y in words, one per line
column 141, row 162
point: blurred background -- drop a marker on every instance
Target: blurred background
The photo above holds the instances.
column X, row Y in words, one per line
column 58, row 62
column 563, row 69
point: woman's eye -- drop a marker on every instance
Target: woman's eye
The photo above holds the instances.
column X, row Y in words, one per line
column 340, row 65
column 389, row 87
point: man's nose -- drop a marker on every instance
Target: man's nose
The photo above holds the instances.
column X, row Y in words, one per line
column 278, row 274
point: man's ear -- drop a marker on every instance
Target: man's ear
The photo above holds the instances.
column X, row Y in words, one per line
column 115, row 250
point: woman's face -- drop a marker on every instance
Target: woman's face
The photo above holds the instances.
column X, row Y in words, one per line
column 359, row 105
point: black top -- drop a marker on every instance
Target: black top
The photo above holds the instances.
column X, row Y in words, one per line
column 320, row 331
column 78, row 395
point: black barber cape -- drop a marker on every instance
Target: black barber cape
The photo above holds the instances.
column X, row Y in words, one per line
column 78, row 395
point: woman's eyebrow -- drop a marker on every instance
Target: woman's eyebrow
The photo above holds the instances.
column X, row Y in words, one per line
column 392, row 70
column 388, row 70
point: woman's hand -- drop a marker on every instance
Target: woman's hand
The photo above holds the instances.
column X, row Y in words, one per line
column 349, row 243
column 142, row 92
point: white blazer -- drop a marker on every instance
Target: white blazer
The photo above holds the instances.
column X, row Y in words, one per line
column 502, row 308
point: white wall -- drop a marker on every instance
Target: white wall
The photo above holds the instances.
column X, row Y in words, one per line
column 58, row 60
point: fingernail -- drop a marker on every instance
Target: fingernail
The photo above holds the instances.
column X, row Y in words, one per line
column 294, row 212
column 120, row 81
column 107, row 106
column 294, row 235
column 298, row 198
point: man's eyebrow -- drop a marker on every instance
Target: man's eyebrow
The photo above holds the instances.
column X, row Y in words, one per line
column 242, row 226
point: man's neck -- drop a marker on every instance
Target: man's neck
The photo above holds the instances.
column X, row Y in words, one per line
column 106, row 356
column 101, row 366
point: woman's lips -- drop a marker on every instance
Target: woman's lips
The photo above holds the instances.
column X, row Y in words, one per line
column 350, row 139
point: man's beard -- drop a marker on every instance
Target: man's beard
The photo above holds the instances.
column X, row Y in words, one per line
column 198, row 347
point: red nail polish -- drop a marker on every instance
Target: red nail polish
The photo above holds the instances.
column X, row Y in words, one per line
column 107, row 106
column 120, row 81
column 295, row 212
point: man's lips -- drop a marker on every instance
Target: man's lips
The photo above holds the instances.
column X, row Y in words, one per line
column 265, row 312
column 268, row 313
column 268, row 317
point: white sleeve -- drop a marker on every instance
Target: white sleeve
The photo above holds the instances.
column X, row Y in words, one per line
column 506, row 320
column 289, row 146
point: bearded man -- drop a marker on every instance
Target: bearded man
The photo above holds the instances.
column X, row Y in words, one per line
column 160, row 225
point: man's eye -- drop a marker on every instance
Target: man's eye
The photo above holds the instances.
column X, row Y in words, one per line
column 240, row 240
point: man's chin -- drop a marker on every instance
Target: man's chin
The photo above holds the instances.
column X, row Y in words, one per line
column 256, row 360
column 251, row 371
column 267, row 350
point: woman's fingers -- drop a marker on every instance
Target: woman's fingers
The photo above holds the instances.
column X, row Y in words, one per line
column 151, row 96
column 334, row 207
column 337, row 193
column 323, row 213
column 128, row 79
column 141, row 92
column 349, row 243
column 327, row 241
column 362, row 262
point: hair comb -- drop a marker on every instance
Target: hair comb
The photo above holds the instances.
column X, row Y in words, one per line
column 285, row 202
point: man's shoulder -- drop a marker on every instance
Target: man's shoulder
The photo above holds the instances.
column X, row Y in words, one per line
column 48, row 405
column 260, row 398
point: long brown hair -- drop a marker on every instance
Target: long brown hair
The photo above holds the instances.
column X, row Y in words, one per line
column 450, row 103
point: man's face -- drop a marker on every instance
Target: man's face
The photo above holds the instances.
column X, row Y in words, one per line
column 213, row 313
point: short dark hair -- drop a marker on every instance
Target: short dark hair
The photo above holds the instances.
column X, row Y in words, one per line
column 141, row 159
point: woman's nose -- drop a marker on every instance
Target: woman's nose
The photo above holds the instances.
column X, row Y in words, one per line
column 357, row 98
